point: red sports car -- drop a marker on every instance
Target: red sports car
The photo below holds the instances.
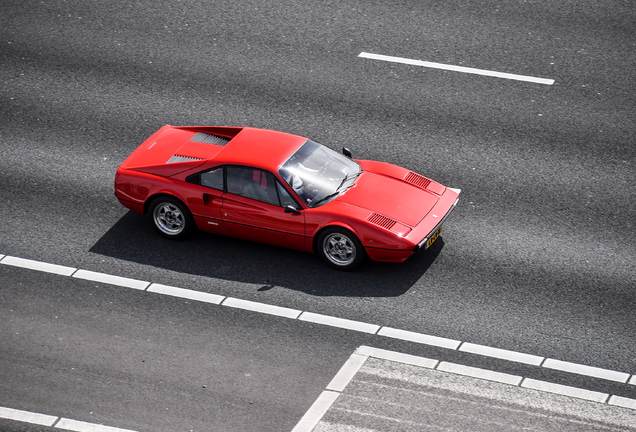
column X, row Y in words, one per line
column 282, row 189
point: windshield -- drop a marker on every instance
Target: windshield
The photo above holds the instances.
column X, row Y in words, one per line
column 317, row 173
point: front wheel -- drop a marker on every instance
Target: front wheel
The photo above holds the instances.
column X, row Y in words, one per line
column 170, row 217
column 340, row 248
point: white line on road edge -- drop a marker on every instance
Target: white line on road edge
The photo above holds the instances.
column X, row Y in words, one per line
column 419, row 338
column 27, row 417
column 456, row 68
column 55, row 422
column 320, row 319
column 622, row 402
column 347, row 372
column 261, row 307
column 564, row 390
column 38, row 265
column 501, row 354
column 586, row 370
column 352, row 366
column 397, row 357
column 474, row 372
column 110, row 279
column 315, row 413
column 339, row 322
column 79, row 426
column 185, row 293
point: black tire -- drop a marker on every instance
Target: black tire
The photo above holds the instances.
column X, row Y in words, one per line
column 170, row 217
column 340, row 248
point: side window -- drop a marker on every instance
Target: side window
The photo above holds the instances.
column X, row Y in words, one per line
column 285, row 198
column 252, row 183
column 213, row 179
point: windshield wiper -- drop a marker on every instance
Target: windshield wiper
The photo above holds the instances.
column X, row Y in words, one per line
column 336, row 193
column 348, row 177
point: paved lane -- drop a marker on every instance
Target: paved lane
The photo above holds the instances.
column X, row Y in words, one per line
column 537, row 258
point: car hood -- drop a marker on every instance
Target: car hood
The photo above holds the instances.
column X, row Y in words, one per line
column 390, row 197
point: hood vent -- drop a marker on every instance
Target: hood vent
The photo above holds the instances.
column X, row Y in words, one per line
column 178, row 158
column 382, row 221
column 205, row 138
column 417, row 180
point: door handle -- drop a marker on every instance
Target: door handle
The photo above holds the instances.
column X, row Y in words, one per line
column 208, row 199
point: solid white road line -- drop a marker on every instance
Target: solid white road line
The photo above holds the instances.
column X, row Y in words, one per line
column 185, row 293
column 79, row 426
column 397, row 357
column 586, row 370
column 110, row 279
column 261, row 307
column 317, row 410
column 622, row 402
column 456, row 68
column 339, row 322
column 347, row 372
column 27, row 417
column 39, row 266
column 419, row 338
column 564, row 390
column 479, row 373
column 633, row 380
column 501, row 354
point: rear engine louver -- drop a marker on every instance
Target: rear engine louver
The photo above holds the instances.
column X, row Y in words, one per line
column 205, row 138
column 417, row 180
column 382, row 221
column 178, row 158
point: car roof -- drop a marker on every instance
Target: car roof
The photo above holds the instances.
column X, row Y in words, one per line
column 259, row 148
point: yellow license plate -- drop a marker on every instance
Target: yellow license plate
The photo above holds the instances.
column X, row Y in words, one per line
column 433, row 237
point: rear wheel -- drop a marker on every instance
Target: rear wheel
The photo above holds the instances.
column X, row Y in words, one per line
column 170, row 217
column 340, row 248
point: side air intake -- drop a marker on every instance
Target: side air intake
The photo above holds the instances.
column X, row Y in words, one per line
column 205, row 138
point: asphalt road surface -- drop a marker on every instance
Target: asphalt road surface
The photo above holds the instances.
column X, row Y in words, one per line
column 538, row 258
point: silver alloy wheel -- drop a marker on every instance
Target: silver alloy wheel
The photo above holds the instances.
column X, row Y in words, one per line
column 339, row 249
column 169, row 218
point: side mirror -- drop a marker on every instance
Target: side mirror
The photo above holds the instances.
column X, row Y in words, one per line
column 346, row 152
column 291, row 209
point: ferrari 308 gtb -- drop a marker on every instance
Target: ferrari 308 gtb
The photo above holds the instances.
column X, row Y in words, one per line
column 284, row 190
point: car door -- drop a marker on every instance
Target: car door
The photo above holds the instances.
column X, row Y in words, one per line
column 205, row 199
column 254, row 208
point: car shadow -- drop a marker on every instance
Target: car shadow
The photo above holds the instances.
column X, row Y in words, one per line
column 133, row 239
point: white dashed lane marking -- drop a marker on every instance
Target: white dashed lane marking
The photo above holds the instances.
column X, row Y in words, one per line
column 586, row 370
column 501, row 354
column 456, row 68
column 339, row 322
column 39, row 266
column 110, row 279
column 186, row 294
column 55, row 422
column 419, row 338
column 323, row 320
column 261, row 308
